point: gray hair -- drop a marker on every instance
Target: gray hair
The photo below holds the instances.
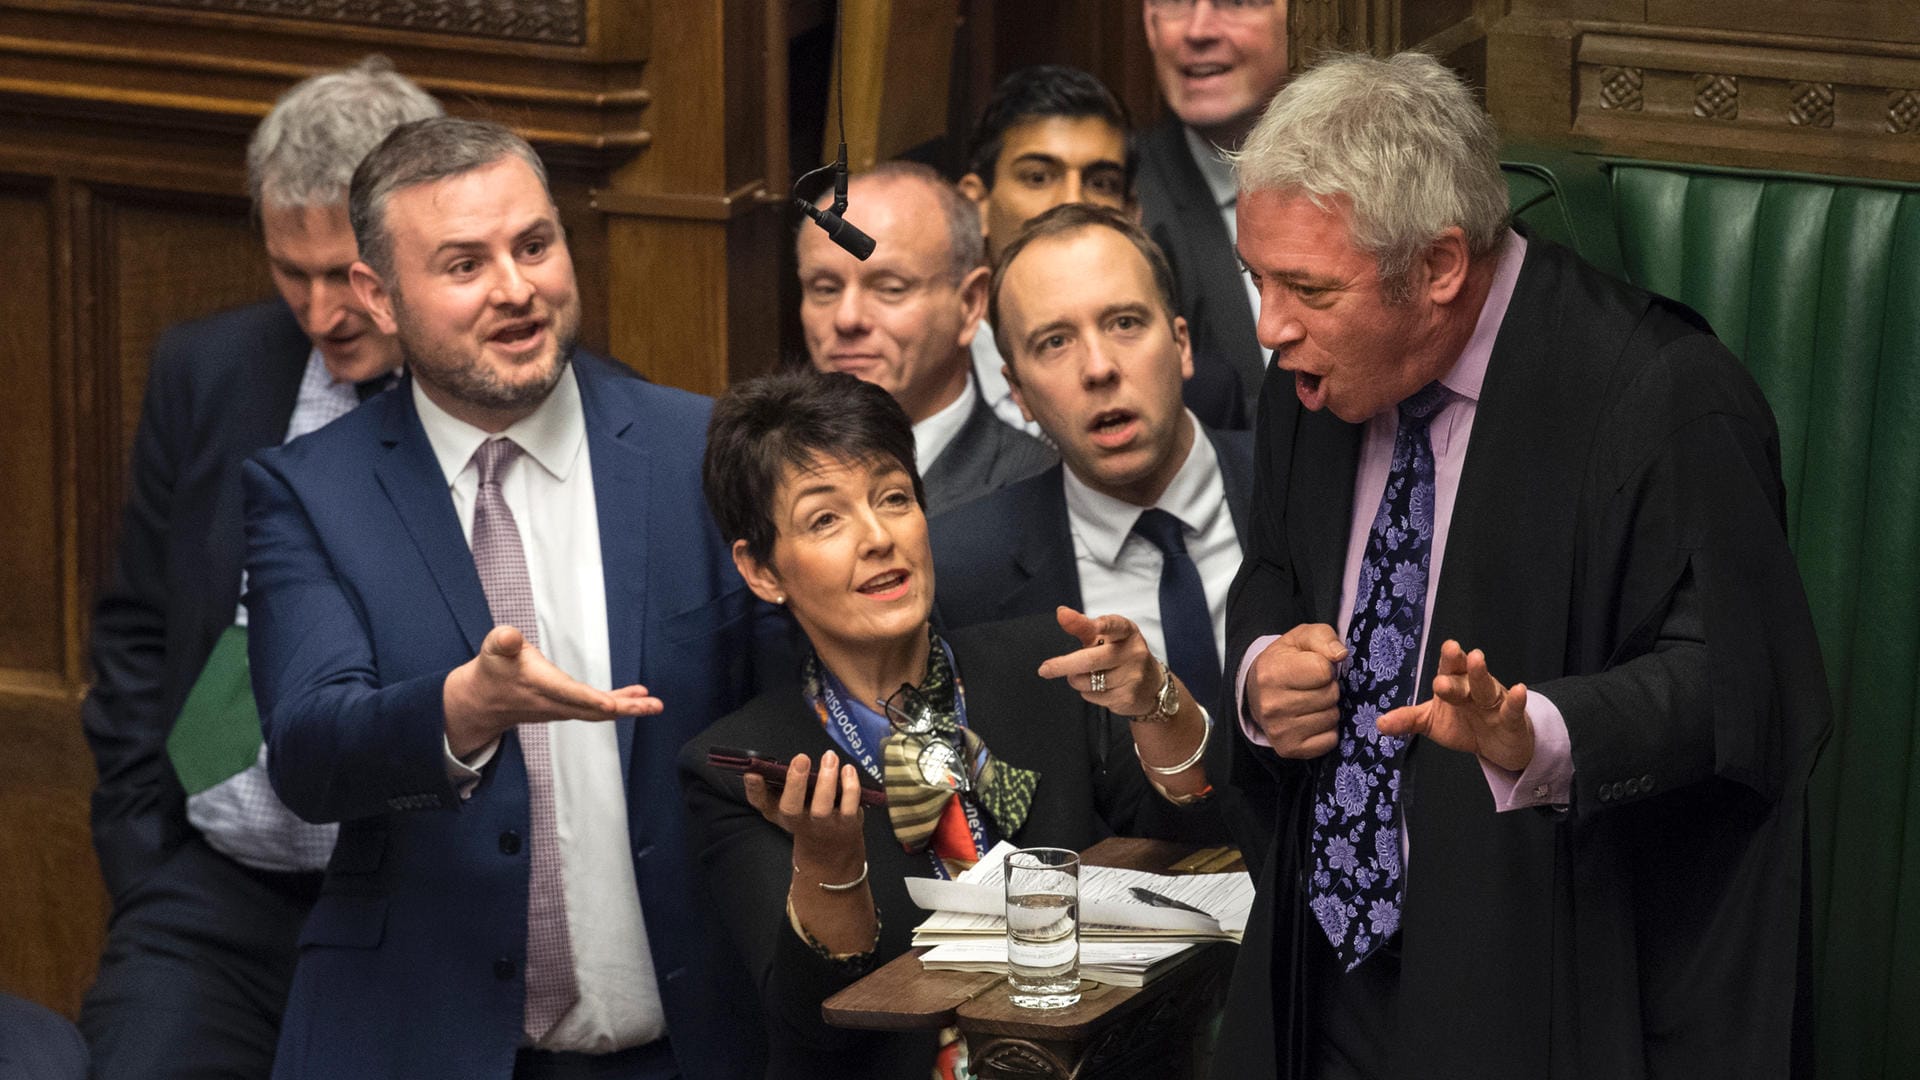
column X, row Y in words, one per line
column 304, row 152
column 1402, row 138
column 966, row 246
column 423, row 152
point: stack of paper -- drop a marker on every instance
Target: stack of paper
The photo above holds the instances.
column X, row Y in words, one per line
column 1123, row 941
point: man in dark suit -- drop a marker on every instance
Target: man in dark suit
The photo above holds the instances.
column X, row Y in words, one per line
column 210, row 890
column 905, row 319
column 1083, row 304
column 1525, row 659
column 1218, row 63
column 457, row 594
column 1049, row 135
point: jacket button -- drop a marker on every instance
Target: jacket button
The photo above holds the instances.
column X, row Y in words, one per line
column 1646, row 784
column 504, row 968
column 1608, row 792
column 509, row 843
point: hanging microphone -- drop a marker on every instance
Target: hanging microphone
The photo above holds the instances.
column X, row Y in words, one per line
column 839, row 229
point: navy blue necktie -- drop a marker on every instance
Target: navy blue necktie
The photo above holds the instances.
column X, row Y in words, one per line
column 1355, row 888
column 1185, row 619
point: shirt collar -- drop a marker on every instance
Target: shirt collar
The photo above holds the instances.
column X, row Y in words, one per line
column 551, row 435
column 1470, row 371
column 932, row 435
column 1214, row 169
column 1102, row 523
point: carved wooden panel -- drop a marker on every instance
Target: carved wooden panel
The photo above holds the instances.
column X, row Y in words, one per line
column 555, row 21
column 32, row 636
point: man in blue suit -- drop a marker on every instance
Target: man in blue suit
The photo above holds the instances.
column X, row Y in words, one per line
column 1144, row 517
column 487, row 609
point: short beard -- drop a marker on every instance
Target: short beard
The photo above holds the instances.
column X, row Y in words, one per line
column 464, row 379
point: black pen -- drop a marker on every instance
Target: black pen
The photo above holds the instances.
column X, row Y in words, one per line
column 1148, row 896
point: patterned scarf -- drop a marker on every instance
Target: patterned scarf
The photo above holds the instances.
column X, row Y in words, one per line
column 928, row 754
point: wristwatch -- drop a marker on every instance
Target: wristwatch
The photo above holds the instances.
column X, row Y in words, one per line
column 1166, row 703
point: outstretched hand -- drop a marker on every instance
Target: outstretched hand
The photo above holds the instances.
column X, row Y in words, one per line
column 1469, row 711
column 1128, row 675
column 510, row 682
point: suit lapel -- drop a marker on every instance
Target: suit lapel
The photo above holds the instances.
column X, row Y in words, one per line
column 621, row 477
column 256, row 418
column 1234, row 453
column 1320, row 505
column 411, row 477
column 1043, row 554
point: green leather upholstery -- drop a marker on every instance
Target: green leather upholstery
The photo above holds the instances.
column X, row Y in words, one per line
column 1815, row 283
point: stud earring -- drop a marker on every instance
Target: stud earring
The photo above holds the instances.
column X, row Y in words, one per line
column 781, row 599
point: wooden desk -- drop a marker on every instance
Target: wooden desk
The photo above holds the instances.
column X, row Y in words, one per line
column 1114, row 1031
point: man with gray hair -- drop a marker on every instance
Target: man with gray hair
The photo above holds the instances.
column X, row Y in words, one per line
column 905, row 320
column 489, row 607
column 1524, row 663
column 210, row 875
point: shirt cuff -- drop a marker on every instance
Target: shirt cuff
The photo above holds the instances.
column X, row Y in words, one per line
column 1247, row 727
column 1548, row 778
column 465, row 774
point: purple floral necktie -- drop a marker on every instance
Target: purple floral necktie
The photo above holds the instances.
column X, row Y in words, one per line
column 1354, row 891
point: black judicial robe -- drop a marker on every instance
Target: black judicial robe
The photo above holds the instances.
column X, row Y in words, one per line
column 1618, row 545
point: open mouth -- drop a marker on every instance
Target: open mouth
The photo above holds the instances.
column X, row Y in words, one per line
column 518, row 333
column 1204, row 71
column 887, row 586
column 1113, row 427
column 1311, row 389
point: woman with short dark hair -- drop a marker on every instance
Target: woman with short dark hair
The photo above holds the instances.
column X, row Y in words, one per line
column 1011, row 731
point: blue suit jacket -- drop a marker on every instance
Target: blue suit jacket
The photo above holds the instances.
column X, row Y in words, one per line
column 362, row 597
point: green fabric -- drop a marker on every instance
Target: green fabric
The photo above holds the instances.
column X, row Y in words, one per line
column 218, row 732
column 1815, row 283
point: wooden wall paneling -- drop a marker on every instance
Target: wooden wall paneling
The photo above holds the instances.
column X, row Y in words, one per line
column 1862, row 20
column 50, row 895
column 1846, row 103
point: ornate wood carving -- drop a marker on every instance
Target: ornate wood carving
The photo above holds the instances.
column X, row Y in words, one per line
column 1903, row 112
column 555, row 22
column 1811, row 104
column 1620, row 88
column 1716, row 97
column 1018, row 1057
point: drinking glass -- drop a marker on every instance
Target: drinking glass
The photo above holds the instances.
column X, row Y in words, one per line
column 1043, row 927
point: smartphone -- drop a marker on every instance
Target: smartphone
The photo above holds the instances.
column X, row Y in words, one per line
column 775, row 772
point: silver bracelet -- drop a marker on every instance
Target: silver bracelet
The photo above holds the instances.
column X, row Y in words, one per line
column 846, row 886
column 1198, row 753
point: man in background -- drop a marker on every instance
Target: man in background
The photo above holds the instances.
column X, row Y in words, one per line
column 1218, row 63
column 1051, row 135
column 211, row 876
column 905, row 320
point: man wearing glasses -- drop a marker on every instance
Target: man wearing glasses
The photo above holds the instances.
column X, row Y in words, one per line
column 1219, row 62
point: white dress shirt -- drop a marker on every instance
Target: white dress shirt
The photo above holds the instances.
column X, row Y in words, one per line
column 241, row 817
column 931, row 436
column 1226, row 194
column 550, row 491
column 1120, row 572
column 994, row 388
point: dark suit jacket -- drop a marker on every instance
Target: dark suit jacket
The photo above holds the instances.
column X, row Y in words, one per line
column 1178, row 211
column 1011, row 553
column 218, row 389
column 363, row 596
column 985, row 455
column 1618, row 545
column 1090, row 788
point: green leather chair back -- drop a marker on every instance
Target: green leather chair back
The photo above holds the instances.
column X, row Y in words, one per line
column 1814, row 282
